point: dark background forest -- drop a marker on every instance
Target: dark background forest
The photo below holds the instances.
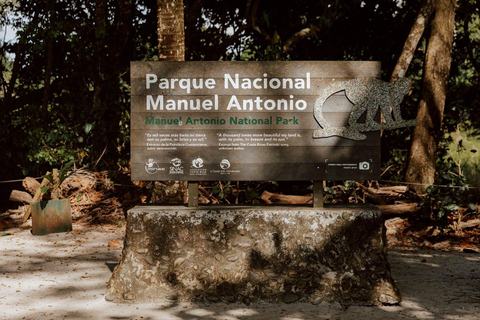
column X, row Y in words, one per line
column 64, row 90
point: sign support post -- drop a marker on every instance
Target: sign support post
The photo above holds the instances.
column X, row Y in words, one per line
column 192, row 194
column 318, row 194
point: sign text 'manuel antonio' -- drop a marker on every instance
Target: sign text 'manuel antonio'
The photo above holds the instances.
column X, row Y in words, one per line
column 235, row 82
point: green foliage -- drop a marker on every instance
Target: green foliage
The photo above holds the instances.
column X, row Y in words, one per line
column 337, row 192
column 244, row 192
column 55, row 182
column 84, row 114
column 464, row 149
column 450, row 192
column 223, row 191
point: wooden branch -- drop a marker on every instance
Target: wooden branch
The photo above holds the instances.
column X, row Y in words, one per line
column 20, row 197
column 412, row 41
column 276, row 198
column 263, row 33
column 398, row 209
column 371, row 194
column 469, row 224
column 209, row 196
column 299, row 36
column 55, row 189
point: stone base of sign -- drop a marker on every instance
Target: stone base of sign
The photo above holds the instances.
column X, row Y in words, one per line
column 229, row 254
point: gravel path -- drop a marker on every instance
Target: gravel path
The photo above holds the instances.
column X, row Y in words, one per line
column 63, row 276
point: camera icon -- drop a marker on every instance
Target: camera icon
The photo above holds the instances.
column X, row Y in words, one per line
column 364, row 165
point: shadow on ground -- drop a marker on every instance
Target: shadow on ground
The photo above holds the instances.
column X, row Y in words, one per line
column 64, row 276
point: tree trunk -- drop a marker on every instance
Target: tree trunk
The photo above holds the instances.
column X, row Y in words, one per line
column 171, row 30
column 412, row 41
column 171, row 47
column 421, row 160
column 50, row 44
column 100, row 52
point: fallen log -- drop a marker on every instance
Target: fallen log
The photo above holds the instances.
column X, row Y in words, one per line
column 276, row 198
column 469, row 224
column 20, row 197
column 391, row 190
column 399, row 209
column 31, row 185
column 36, row 197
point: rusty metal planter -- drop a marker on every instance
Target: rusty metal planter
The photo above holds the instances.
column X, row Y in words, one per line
column 51, row 217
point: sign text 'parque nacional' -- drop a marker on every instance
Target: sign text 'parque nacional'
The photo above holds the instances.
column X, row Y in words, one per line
column 200, row 121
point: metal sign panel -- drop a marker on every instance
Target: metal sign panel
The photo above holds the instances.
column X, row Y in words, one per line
column 201, row 121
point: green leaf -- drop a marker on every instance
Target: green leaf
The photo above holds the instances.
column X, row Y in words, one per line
column 453, row 207
column 44, row 189
column 64, row 172
column 266, row 19
column 446, row 200
column 88, row 127
column 49, row 177
column 472, row 206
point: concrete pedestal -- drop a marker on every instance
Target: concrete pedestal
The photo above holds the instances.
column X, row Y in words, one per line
column 245, row 254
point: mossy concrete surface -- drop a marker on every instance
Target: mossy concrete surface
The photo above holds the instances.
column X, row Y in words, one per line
column 229, row 254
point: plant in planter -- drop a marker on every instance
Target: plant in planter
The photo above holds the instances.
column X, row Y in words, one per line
column 52, row 214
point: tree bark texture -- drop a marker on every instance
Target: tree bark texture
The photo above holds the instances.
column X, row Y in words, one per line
column 421, row 160
column 171, row 30
column 21, row 197
column 412, row 41
column 171, row 47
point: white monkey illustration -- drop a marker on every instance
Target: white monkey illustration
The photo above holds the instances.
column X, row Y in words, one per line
column 367, row 95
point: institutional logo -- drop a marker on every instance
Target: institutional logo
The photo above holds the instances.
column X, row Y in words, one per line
column 224, row 164
column 176, row 166
column 151, row 166
column 197, row 163
column 176, row 162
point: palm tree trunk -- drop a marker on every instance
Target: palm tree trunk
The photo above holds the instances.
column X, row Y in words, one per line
column 171, row 30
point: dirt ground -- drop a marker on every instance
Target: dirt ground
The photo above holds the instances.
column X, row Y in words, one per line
column 63, row 276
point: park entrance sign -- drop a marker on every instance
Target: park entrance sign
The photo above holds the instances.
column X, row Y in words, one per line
column 201, row 121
